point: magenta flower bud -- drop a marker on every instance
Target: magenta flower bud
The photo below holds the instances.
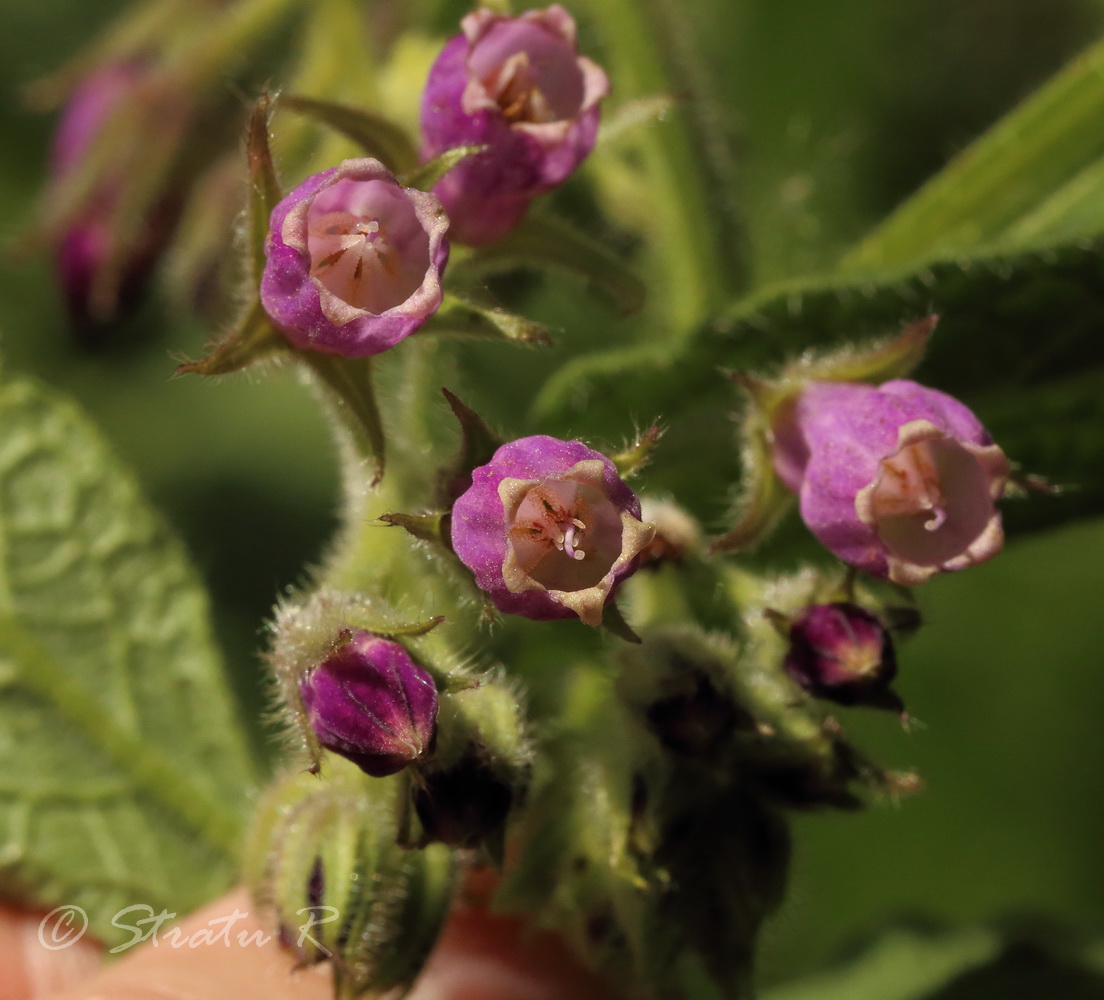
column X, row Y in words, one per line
column 843, row 653
column 354, row 261
column 518, row 86
column 549, row 529
column 371, row 703
column 900, row 480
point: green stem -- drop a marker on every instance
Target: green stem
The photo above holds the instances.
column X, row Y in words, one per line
column 695, row 247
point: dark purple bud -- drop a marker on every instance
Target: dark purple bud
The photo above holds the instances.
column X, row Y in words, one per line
column 899, row 480
column 518, row 86
column 354, row 260
column 371, row 703
column 844, row 654
column 549, row 529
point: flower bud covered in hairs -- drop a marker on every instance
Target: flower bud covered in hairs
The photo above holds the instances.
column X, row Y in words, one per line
column 549, row 529
column 900, row 481
column 371, row 703
column 518, row 86
column 354, row 260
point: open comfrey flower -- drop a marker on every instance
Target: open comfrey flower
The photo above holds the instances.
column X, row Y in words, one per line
column 518, row 86
column 899, row 480
column 372, row 704
column 549, row 529
column 354, row 260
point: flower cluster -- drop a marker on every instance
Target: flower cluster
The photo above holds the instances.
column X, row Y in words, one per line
column 354, row 260
column 663, row 763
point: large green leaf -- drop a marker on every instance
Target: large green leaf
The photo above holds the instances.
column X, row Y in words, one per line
column 124, row 774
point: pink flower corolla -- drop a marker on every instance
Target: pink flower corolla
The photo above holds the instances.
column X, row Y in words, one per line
column 354, row 260
column 899, row 480
column 372, row 704
column 549, row 529
column 518, row 86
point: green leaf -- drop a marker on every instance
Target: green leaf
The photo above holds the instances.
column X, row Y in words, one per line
column 967, row 964
column 428, row 174
column 545, row 242
column 264, row 188
column 352, row 396
column 902, row 965
column 1051, row 141
column 378, row 136
column 463, row 316
column 253, row 339
column 124, row 770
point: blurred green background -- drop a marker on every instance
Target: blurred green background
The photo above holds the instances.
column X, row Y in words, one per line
column 835, row 111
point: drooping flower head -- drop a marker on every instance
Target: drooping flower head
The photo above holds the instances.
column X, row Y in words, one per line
column 549, row 529
column 899, row 480
column 518, row 86
column 354, row 260
column 370, row 702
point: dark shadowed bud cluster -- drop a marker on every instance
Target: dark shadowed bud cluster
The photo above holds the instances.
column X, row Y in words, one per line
column 549, row 529
column 462, row 804
column 899, row 480
column 843, row 653
column 518, row 86
column 371, row 703
column 354, row 260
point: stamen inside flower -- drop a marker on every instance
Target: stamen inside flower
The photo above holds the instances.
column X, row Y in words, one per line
column 931, row 500
column 531, row 73
column 366, row 246
column 515, row 90
column 565, row 534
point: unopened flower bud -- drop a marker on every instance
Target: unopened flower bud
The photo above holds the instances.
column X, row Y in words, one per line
column 549, row 529
column 371, row 703
column 354, row 260
column 518, row 86
column 843, row 653
column 900, row 480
